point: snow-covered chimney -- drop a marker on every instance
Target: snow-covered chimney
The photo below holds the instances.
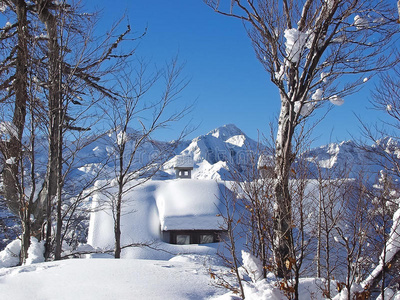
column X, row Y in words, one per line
column 183, row 166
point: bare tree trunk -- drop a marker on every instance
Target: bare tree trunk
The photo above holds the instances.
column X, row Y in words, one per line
column 118, row 204
column 13, row 148
column 60, row 140
column 58, row 237
column 55, row 111
column 26, row 232
column 283, row 240
column 319, row 227
column 398, row 7
column 117, row 223
column 21, row 97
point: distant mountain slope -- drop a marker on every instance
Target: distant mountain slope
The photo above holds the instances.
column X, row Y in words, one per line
column 349, row 158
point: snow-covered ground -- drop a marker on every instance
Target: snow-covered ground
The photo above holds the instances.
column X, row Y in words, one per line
column 97, row 279
column 182, row 277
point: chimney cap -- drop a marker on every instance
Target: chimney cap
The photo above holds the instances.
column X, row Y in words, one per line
column 184, row 162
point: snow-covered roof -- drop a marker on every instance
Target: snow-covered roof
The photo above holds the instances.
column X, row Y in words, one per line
column 184, row 162
column 190, row 205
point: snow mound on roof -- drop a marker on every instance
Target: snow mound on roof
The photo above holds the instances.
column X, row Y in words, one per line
column 190, row 204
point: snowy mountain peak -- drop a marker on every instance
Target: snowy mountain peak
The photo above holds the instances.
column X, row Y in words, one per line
column 226, row 132
column 218, row 151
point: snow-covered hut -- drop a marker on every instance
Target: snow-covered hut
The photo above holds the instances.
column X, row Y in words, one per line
column 173, row 211
column 183, row 166
column 190, row 211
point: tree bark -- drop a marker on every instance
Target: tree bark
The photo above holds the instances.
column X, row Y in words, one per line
column 118, row 204
column 13, row 148
column 117, row 223
column 55, row 116
column 283, row 240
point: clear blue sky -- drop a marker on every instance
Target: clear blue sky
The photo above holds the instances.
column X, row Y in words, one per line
column 228, row 84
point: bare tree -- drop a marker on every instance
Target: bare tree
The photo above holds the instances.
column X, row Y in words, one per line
column 134, row 119
column 256, row 206
column 64, row 66
column 16, row 90
column 385, row 136
column 69, row 79
column 330, row 190
column 306, row 47
column 233, row 219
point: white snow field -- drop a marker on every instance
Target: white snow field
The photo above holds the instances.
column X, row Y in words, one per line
column 181, row 278
column 108, row 279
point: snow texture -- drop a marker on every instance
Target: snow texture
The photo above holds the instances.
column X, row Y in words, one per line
column 35, row 252
column 360, row 22
column 237, row 140
column 252, row 265
column 392, row 248
column 3, row 7
column 11, row 161
column 7, row 129
column 121, row 138
column 324, row 77
column 215, row 151
column 305, row 110
column 105, row 279
column 336, row 100
column 9, row 257
column 317, row 96
column 171, row 204
column 296, row 41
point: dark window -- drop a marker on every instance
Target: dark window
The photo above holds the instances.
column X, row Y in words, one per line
column 206, row 238
column 183, row 239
